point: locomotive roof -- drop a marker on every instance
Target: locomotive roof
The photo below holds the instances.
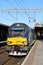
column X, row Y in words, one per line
column 19, row 25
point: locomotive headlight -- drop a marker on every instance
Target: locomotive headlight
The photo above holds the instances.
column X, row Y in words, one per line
column 9, row 42
column 24, row 42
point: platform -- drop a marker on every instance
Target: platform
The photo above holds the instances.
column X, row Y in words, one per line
column 35, row 56
column 3, row 42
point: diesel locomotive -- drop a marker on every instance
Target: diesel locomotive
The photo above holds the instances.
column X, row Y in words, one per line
column 19, row 39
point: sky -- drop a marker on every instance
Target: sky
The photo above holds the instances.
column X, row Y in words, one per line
column 10, row 18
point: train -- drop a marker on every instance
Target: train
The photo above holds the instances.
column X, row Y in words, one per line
column 20, row 38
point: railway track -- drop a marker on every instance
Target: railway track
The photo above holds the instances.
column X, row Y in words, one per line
column 2, row 50
column 9, row 60
column 3, row 43
column 14, row 61
column 4, row 63
column 6, row 60
column 3, row 58
column 2, row 47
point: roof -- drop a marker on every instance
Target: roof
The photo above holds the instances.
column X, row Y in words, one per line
column 4, row 24
column 38, row 25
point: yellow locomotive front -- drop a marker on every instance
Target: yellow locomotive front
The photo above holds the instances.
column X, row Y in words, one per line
column 16, row 42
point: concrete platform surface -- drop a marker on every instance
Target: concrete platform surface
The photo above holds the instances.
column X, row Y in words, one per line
column 3, row 42
column 36, row 55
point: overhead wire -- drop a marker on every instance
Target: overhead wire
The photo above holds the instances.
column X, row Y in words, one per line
column 11, row 14
column 17, row 3
column 28, row 14
column 10, row 3
column 19, row 6
column 24, row 8
column 13, row 7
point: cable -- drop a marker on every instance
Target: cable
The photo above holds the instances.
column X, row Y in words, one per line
column 19, row 5
column 12, row 6
column 22, row 3
column 26, row 13
column 10, row 3
column 23, row 7
column 11, row 15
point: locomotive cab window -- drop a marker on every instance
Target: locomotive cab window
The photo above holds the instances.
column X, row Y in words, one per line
column 17, row 31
